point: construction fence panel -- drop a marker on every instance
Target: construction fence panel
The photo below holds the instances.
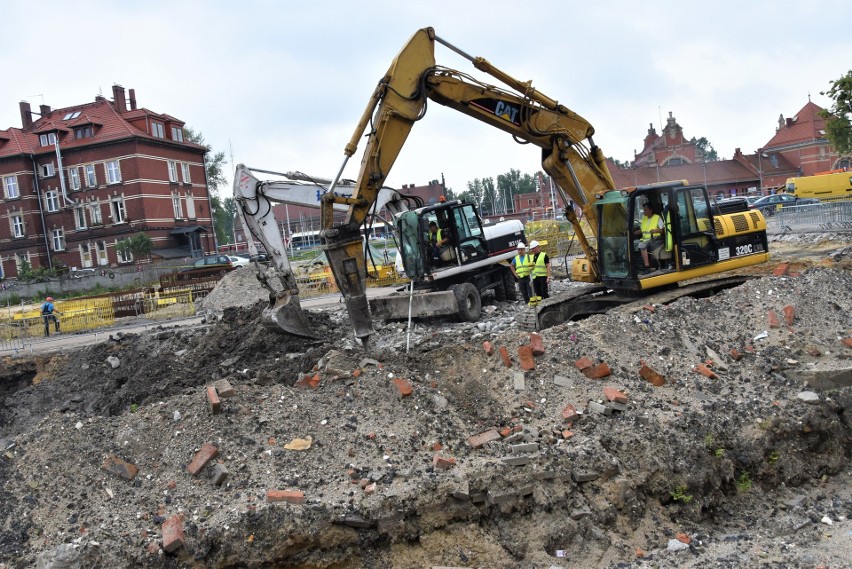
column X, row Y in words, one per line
column 175, row 303
column 75, row 315
column 826, row 216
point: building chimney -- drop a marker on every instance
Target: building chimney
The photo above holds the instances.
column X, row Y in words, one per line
column 99, row 98
column 789, row 122
column 26, row 115
column 118, row 98
column 133, row 99
column 45, row 110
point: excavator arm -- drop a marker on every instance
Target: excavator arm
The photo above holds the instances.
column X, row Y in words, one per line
column 400, row 99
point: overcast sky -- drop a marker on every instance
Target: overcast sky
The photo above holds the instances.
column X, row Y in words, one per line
column 283, row 84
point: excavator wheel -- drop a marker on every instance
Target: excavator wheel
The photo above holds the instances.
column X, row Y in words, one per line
column 510, row 286
column 469, row 301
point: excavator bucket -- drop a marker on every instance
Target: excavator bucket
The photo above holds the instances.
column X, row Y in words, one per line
column 284, row 314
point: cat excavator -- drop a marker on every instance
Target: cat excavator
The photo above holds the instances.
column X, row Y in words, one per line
column 699, row 239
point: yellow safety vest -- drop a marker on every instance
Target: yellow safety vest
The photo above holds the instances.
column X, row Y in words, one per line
column 523, row 265
column 649, row 223
column 434, row 238
column 540, row 269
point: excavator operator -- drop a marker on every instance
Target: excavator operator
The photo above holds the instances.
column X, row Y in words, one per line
column 437, row 239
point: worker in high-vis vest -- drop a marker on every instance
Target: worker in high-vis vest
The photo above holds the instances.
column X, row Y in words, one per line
column 652, row 228
column 437, row 239
column 521, row 267
column 540, row 270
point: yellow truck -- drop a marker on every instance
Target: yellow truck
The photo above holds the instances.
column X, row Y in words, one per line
column 830, row 186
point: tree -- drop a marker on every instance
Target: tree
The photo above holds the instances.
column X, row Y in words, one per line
column 838, row 119
column 139, row 246
column 223, row 214
column 513, row 183
column 707, row 150
column 475, row 192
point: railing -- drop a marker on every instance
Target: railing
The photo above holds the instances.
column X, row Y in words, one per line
column 827, row 216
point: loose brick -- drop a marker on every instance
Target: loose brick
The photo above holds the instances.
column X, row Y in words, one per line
column 403, row 387
column 789, row 315
column 213, row 400
column 598, row 371
column 772, row 318
column 477, row 441
column 207, row 453
column 566, row 434
column 505, row 432
column 569, row 413
column 651, row 376
column 308, row 381
column 504, row 353
column 488, row 347
column 173, row 538
column 525, row 354
column 683, row 538
column 118, row 467
column 537, row 344
column 736, row 355
column 583, row 363
column 705, row 371
column 224, row 389
column 781, row 270
column 847, row 342
column 613, row 394
column 288, row 496
column 650, row 307
column 443, row 462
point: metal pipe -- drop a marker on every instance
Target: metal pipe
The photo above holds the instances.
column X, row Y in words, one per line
column 41, row 212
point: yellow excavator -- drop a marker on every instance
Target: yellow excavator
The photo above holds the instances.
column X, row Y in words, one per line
column 622, row 257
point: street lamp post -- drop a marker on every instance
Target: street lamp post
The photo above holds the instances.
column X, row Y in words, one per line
column 760, row 170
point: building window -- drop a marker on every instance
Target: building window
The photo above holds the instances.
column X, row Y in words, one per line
column 47, row 139
column 172, row 171
column 20, row 259
column 190, row 206
column 91, row 179
column 84, row 132
column 46, row 170
column 124, row 256
column 119, row 214
column 95, row 213
column 85, row 255
column 74, row 176
column 184, row 170
column 158, row 130
column 80, row 217
column 177, row 133
column 113, row 174
column 176, row 206
column 102, row 254
column 58, row 236
column 17, row 226
column 51, row 199
column 10, row 183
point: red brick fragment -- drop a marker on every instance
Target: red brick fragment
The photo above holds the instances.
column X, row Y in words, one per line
column 504, row 353
column 213, row 399
column 537, row 344
column 569, row 413
column 781, row 270
column 207, row 453
column 750, row 349
column 357, row 372
column 789, row 315
column 403, row 387
column 478, row 441
column 488, row 347
column 443, row 462
column 847, row 342
column 583, row 363
column 505, row 432
column 566, row 434
column 120, row 468
column 289, row 496
column 705, row 371
column 651, row 376
column 525, row 354
column 173, row 538
column 437, row 446
column 683, row 538
column 773, row 319
column 598, row 371
column 308, row 381
column 613, row 394
column 650, row 307
column 736, row 355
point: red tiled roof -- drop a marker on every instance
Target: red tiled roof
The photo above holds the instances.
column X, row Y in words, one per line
column 84, row 120
column 49, row 126
column 805, row 126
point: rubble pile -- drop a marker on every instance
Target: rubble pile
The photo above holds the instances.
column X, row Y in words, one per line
column 702, row 433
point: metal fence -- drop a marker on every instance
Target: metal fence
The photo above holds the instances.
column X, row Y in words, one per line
column 826, row 216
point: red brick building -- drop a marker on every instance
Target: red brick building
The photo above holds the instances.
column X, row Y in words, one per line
column 77, row 180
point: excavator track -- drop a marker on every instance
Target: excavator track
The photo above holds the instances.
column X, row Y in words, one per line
column 587, row 300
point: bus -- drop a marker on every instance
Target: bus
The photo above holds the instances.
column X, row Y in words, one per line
column 825, row 187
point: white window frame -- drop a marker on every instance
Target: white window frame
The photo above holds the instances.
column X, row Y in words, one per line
column 91, row 176
column 19, row 261
column 190, row 206
column 117, row 209
column 123, row 257
column 80, row 217
column 173, row 176
column 113, row 172
column 184, row 172
column 46, row 170
column 103, row 257
column 95, row 213
column 74, row 178
column 17, row 224
column 158, row 130
column 176, row 207
column 86, row 255
column 51, row 201
column 48, row 139
column 177, row 134
column 57, row 238
column 10, row 185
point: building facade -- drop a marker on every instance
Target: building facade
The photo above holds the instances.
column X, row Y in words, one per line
column 75, row 181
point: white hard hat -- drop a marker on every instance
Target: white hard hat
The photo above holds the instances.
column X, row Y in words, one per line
column 533, row 244
column 521, row 245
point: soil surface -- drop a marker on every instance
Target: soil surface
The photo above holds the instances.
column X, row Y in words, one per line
column 711, row 433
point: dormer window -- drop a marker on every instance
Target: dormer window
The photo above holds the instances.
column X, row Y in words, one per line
column 48, row 139
column 177, row 134
column 158, row 130
column 71, row 115
column 84, row 132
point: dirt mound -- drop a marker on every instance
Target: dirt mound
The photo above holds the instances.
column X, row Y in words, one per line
column 446, row 456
